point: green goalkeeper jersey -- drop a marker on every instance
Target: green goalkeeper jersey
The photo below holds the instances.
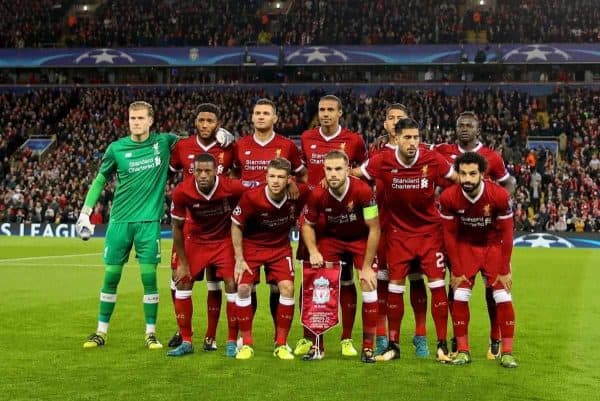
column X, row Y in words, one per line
column 141, row 175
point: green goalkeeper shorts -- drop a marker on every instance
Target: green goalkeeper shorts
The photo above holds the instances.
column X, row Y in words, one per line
column 120, row 237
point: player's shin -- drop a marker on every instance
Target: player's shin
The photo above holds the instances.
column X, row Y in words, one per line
column 108, row 296
column 395, row 310
column 244, row 313
column 285, row 315
column 232, row 324
column 214, row 297
column 369, row 318
column 274, row 302
column 184, row 311
column 348, row 299
column 148, row 273
column 506, row 318
column 382, row 293
column 461, row 317
column 492, row 313
column 439, row 308
column 418, row 301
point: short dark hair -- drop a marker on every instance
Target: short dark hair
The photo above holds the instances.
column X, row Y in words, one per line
column 205, row 158
column 337, row 154
column 281, row 163
column 396, row 106
column 468, row 114
column 209, row 108
column 334, row 98
column 406, row 123
column 471, row 158
column 266, row 102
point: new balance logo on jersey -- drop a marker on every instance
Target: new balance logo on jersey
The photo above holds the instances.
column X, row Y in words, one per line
column 394, row 171
column 460, row 211
column 196, row 205
column 128, row 155
column 247, row 153
column 313, row 146
column 156, row 150
column 191, row 156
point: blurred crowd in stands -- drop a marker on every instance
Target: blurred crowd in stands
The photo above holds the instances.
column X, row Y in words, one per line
column 557, row 186
column 134, row 23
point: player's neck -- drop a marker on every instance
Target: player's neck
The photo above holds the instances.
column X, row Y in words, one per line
column 265, row 135
column 341, row 189
column 205, row 141
column 469, row 146
column 277, row 198
column 208, row 190
column 406, row 160
column 140, row 138
column 329, row 130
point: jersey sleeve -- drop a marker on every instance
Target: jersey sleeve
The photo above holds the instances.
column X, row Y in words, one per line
column 295, row 159
column 175, row 164
column 446, row 209
column 178, row 204
column 371, row 167
column 109, row 163
column 312, row 209
column 172, row 140
column 497, row 170
column 504, row 205
column 235, row 187
column 243, row 211
column 303, row 149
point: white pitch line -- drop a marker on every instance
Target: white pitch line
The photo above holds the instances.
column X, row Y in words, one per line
column 49, row 257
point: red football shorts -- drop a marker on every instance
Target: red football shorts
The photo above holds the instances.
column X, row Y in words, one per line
column 474, row 259
column 208, row 253
column 333, row 249
column 278, row 263
column 403, row 252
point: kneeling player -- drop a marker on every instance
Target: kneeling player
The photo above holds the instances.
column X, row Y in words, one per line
column 261, row 237
column 351, row 225
column 478, row 233
column 208, row 200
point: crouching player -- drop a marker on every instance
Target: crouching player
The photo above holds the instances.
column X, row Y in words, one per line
column 208, row 200
column 478, row 233
column 351, row 225
column 261, row 237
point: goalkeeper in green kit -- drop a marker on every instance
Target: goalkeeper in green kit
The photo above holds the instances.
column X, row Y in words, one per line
column 140, row 163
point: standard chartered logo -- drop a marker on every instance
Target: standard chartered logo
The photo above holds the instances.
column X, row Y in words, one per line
column 144, row 164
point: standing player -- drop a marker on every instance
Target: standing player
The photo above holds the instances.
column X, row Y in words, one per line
column 414, row 232
column 253, row 153
column 418, row 292
column 140, row 162
column 316, row 143
column 467, row 127
column 350, row 213
column 261, row 237
column 478, row 232
column 209, row 139
column 201, row 210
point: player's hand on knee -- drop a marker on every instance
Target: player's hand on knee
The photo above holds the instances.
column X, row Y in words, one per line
column 182, row 274
column 505, row 280
column 368, row 276
column 241, row 267
column 456, row 281
column 224, row 137
column 316, row 259
column 84, row 228
column 293, row 190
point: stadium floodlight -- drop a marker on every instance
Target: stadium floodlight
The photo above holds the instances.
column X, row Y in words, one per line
column 278, row 5
column 481, row 2
column 85, row 7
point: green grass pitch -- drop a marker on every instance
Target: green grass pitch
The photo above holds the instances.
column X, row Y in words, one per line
column 49, row 298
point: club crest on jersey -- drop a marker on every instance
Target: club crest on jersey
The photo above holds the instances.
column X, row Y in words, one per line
column 156, row 150
column 486, row 210
column 322, row 292
column 221, row 158
column 425, row 170
column 343, row 146
column 350, row 206
column 278, row 153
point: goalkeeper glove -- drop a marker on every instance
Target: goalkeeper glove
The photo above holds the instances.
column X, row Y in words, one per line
column 224, row 137
column 84, row 228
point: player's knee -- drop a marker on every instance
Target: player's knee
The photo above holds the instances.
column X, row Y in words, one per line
column 462, row 294
column 502, row 296
column 433, row 284
column 286, row 288
column 396, row 288
column 274, row 288
column 184, row 286
column 112, row 276
column 244, row 290
column 229, row 285
column 213, row 286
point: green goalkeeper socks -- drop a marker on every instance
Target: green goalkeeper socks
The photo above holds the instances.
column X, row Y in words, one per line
column 148, row 272
column 108, row 295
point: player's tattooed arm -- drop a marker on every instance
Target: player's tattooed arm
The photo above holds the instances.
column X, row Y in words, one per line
column 182, row 274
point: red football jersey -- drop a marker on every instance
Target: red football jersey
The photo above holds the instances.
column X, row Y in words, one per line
column 315, row 146
column 409, row 190
column 496, row 170
column 343, row 215
column 208, row 215
column 186, row 150
column 477, row 218
column 253, row 156
column 266, row 223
